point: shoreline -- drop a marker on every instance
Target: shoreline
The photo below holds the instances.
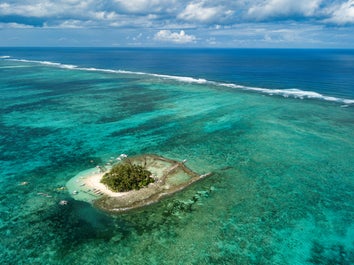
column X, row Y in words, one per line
column 170, row 176
column 94, row 182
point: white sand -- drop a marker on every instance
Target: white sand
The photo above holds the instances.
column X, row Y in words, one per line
column 93, row 182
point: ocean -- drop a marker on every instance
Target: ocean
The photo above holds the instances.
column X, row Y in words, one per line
column 275, row 127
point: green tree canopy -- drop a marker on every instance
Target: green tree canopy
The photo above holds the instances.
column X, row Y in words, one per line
column 126, row 176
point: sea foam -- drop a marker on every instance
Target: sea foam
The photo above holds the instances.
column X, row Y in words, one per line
column 48, row 63
column 293, row 93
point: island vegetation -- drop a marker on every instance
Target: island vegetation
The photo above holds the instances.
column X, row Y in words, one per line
column 127, row 176
column 125, row 186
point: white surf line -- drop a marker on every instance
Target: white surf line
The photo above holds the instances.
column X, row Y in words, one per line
column 293, row 93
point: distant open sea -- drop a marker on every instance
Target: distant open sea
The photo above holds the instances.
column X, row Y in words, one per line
column 276, row 128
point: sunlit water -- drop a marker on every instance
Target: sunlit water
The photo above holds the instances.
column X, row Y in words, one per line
column 282, row 191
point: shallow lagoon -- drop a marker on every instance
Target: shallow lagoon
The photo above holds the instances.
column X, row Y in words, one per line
column 282, row 192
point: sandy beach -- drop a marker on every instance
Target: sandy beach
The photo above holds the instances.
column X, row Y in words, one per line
column 93, row 182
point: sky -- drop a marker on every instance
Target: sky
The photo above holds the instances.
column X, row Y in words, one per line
column 178, row 23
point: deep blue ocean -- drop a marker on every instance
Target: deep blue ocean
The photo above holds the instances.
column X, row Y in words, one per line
column 276, row 128
column 325, row 71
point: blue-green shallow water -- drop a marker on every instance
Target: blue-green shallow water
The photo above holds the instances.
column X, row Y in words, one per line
column 282, row 192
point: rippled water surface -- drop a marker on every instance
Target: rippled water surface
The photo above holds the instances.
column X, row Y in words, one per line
column 282, row 191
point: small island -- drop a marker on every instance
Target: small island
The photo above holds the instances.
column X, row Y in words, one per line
column 132, row 182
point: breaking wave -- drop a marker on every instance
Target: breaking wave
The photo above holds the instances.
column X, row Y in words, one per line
column 48, row 63
column 293, row 93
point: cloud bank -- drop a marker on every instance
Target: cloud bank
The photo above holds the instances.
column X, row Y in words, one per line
column 156, row 13
column 284, row 9
column 169, row 20
column 342, row 13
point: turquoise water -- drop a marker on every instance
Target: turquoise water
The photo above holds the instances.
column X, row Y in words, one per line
column 282, row 190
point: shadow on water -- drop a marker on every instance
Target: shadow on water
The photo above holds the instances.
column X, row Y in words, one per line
column 333, row 254
column 77, row 223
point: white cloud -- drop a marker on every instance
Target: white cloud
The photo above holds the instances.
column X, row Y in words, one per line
column 283, row 8
column 169, row 36
column 34, row 9
column 145, row 6
column 71, row 24
column 4, row 8
column 197, row 11
column 45, row 8
column 283, row 35
column 102, row 15
column 14, row 26
column 342, row 14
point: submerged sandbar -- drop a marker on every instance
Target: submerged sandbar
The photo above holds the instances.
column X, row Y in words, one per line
column 170, row 176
